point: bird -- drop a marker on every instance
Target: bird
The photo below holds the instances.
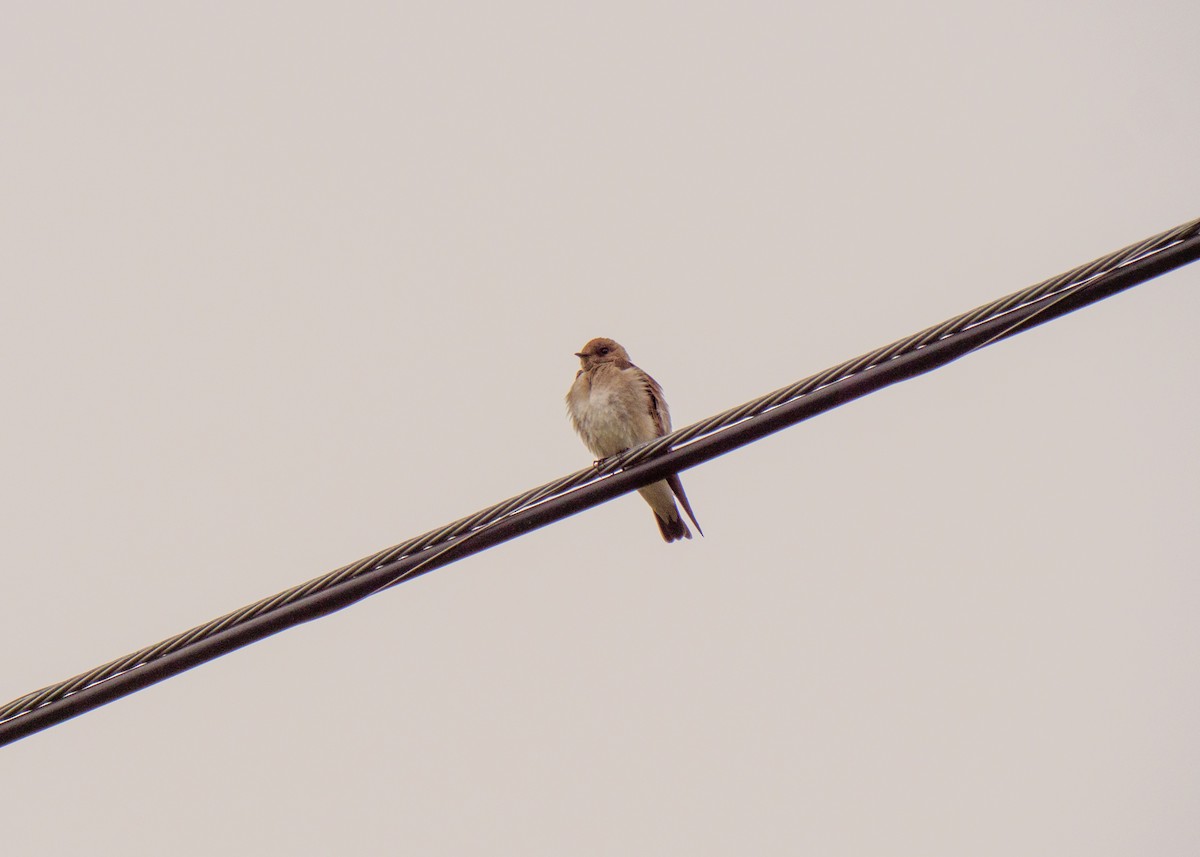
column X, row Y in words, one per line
column 616, row 406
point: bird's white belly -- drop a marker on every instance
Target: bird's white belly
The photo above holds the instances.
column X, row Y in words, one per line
column 605, row 423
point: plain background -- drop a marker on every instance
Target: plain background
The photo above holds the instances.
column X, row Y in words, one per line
column 286, row 283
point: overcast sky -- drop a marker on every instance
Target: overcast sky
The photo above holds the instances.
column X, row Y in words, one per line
column 284, row 284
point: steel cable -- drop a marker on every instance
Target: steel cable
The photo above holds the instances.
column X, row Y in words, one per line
column 683, row 448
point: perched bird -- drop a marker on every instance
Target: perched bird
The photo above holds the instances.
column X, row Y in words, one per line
column 615, row 406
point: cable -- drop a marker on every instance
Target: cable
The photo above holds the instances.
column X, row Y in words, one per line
column 680, row 450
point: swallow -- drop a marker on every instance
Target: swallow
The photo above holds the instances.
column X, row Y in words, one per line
column 616, row 406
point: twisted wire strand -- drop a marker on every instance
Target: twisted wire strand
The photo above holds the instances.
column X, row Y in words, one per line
column 1060, row 287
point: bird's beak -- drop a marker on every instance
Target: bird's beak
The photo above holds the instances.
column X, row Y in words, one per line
column 580, row 355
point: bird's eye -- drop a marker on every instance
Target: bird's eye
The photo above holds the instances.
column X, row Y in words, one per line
column 604, row 350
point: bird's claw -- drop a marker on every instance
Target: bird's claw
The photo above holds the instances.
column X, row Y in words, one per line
column 599, row 463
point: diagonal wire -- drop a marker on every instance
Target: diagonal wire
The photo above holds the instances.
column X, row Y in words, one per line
column 640, row 466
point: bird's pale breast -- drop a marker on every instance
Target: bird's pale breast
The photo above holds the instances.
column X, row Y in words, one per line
column 610, row 411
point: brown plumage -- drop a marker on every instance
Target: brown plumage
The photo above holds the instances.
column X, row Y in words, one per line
column 616, row 406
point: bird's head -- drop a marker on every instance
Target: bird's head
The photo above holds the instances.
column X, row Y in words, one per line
column 601, row 351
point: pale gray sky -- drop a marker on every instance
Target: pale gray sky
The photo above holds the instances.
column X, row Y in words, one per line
column 288, row 283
